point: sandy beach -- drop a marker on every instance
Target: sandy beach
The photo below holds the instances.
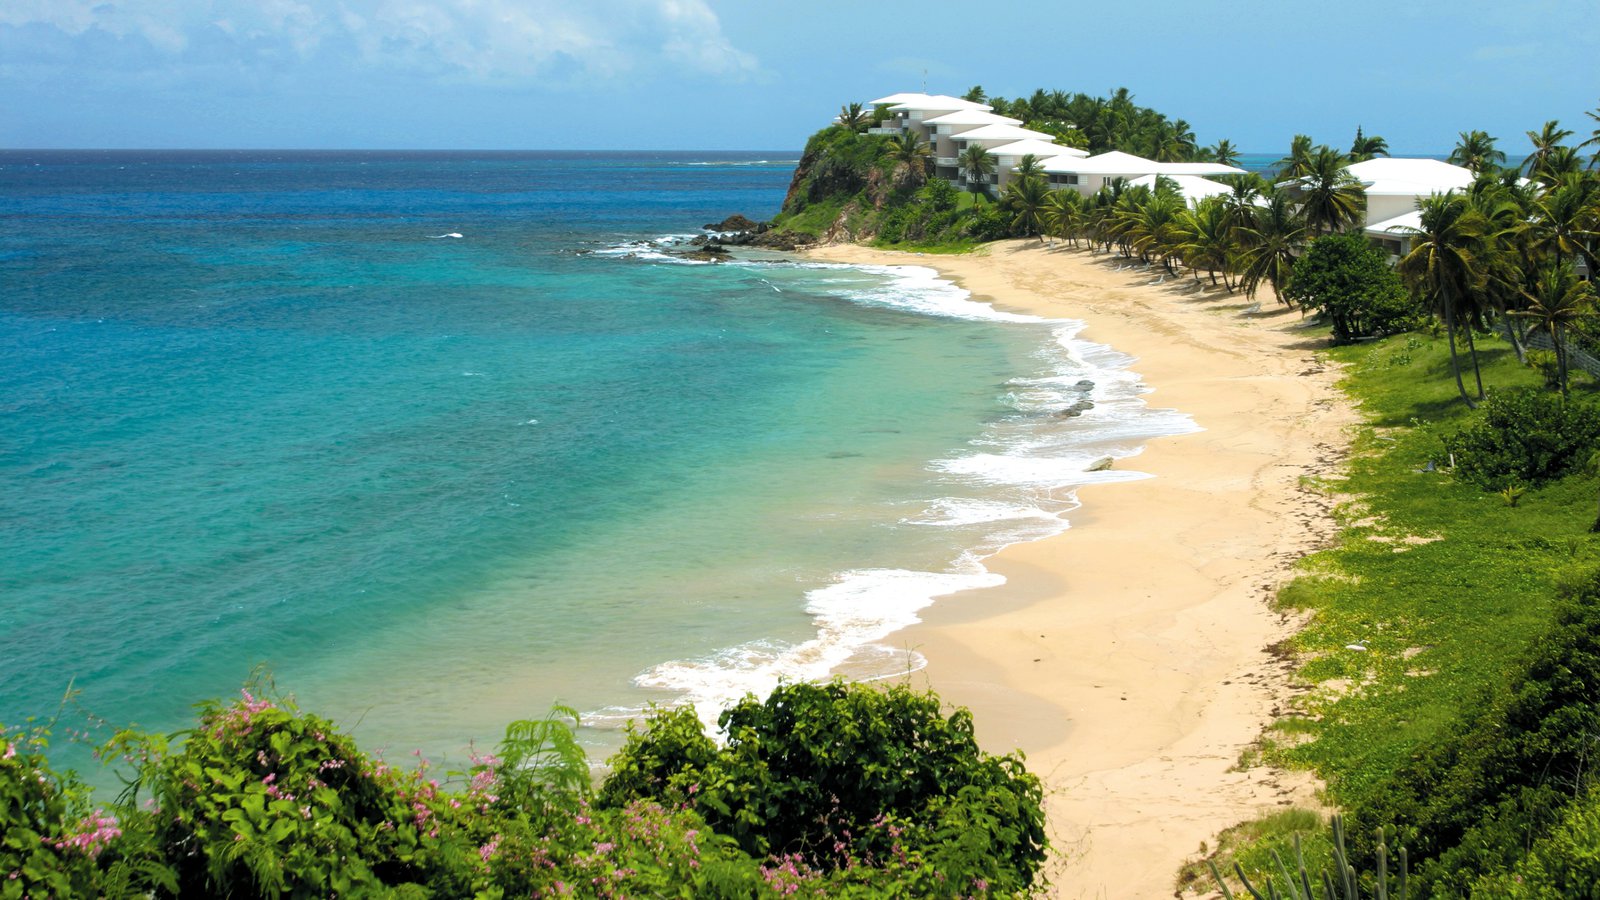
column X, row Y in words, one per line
column 1129, row 657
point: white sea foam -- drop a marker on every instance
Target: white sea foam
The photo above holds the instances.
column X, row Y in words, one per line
column 453, row 234
column 1015, row 482
column 861, row 607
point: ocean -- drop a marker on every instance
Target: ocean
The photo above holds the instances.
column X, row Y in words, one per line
column 433, row 441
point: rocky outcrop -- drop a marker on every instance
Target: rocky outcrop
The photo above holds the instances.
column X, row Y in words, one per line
column 736, row 222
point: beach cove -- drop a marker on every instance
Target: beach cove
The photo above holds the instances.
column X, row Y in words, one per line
column 1129, row 657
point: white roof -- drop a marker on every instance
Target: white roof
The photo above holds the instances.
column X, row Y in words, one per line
column 895, row 98
column 1198, row 168
column 1409, row 177
column 1041, row 149
column 1190, row 187
column 1006, row 133
column 935, row 102
column 1399, row 225
column 1112, row 162
column 1115, row 162
column 971, row 117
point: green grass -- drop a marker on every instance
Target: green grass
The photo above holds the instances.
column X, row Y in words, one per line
column 1442, row 584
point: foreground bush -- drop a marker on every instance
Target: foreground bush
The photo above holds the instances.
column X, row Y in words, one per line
column 1525, row 436
column 841, row 776
column 1507, row 773
column 264, row 800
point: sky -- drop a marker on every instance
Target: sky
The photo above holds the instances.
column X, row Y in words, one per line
column 732, row 75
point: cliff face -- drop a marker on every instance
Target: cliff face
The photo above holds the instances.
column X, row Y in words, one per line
column 838, row 188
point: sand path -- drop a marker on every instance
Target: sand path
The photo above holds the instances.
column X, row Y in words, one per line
column 1128, row 657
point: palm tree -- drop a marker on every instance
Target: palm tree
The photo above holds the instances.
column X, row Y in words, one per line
column 1331, row 198
column 1270, row 235
column 1365, row 148
column 1152, row 226
column 975, row 94
column 909, row 150
column 1559, row 300
column 977, row 164
column 1294, row 165
column 1444, row 269
column 853, row 116
column 1545, row 141
column 1206, row 238
column 1063, row 214
column 1559, row 163
column 1475, row 150
column 1225, row 153
column 1029, row 166
column 1566, row 219
column 1026, row 198
column 1594, row 137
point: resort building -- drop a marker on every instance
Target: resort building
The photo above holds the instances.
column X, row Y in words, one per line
column 1088, row 174
column 911, row 112
column 1394, row 187
column 1008, row 156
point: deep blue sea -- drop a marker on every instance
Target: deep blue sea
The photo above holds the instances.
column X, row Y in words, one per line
column 440, row 439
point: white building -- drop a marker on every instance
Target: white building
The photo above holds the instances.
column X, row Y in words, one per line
column 1394, row 187
column 1087, row 175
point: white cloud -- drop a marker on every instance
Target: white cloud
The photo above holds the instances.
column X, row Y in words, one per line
column 493, row 41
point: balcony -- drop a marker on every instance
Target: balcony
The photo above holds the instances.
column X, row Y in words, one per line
column 887, row 129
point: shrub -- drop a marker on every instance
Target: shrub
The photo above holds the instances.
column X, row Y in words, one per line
column 1350, row 282
column 1506, row 772
column 835, row 776
column 1524, row 436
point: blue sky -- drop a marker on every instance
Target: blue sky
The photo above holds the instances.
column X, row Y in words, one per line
column 718, row 74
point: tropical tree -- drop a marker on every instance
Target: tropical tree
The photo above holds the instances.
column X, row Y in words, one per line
column 1566, row 219
column 1205, row 238
column 1063, row 214
column 1271, row 233
column 910, row 153
column 1225, row 153
column 1330, row 197
column 1026, row 197
column 977, row 164
column 1545, row 141
column 1350, row 282
column 1476, row 151
column 1151, row 224
column 1594, row 137
column 1029, row 166
column 853, row 116
column 975, row 94
column 1365, row 147
column 1559, row 301
column 1445, row 270
column 1294, row 165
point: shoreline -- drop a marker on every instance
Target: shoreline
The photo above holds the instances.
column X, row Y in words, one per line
column 1128, row 656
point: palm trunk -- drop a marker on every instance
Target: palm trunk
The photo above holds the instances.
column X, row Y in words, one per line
column 1455, row 361
column 1516, row 341
column 1472, row 354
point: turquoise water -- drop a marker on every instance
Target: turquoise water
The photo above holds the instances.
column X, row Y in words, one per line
column 439, row 440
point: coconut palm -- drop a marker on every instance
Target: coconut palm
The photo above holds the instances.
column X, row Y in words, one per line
column 1270, row 234
column 977, row 164
column 1330, row 197
column 1594, row 137
column 1294, row 165
column 910, row 153
column 1365, row 147
column 853, row 116
column 1545, row 141
column 1566, row 219
column 1206, row 239
column 1559, row 163
column 975, row 94
column 1445, row 270
column 1026, row 197
column 1153, row 228
column 1475, row 150
column 1029, row 166
column 1225, row 153
column 1062, row 214
column 1558, row 301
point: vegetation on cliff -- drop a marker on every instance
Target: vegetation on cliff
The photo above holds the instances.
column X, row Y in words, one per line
column 821, row 790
